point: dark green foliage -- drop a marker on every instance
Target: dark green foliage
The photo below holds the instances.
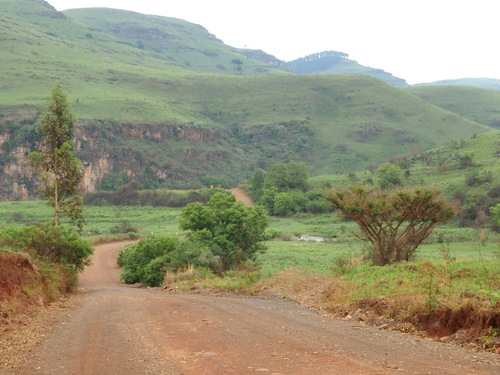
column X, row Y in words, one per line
column 332, row 62
column 388, row 175
column 317, row 62
column 215, row 181
column 287, row 203
column 466, row 160
column 494, row 192
column 114, row 181
column 285, row 177
column 146, row 261
column 150, row 179
column 352, row 177
column 131, row 195
column 272, row 233
column 283, row 190
column 154, row 272
column 21, row 132
column 126, row 194
column 365, row 133
column 495, row 211
column 267, row 199
column 476, row 179
column 194, row 251
column 257, row 185
column 316, row 203
column 57, row 244
column 124, row 227
column 231, row 231
column 477, row 214
column 237, row 64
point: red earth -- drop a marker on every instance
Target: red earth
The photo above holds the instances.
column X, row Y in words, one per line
column 122, row 329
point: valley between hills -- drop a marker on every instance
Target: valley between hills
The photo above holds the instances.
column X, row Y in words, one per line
column 167, row 115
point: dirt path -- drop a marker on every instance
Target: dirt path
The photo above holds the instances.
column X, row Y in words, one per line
column 241, row 195
column 120, row 329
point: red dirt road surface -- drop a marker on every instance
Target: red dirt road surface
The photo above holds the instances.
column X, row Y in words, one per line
column 241, row 195
column 121, row 329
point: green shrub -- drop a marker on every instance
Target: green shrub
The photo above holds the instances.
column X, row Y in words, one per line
column 135, row 259
column 154, row 272
column 231, row 231
column 388, row 175
column 290, row 202
column 285, row 177
column 271, row 234
column 123, row 254
column 124, row 227
column 59, row 244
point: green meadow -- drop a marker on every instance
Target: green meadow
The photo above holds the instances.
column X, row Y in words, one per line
column 285, row 251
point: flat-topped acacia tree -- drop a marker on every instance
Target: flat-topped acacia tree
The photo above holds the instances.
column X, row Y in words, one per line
column 61, row 171
column 394, row 223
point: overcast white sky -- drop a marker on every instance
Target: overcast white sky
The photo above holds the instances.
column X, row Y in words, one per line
column 417, row 40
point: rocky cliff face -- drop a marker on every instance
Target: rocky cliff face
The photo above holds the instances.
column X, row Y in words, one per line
column 14, row 173
column 159, row 154
column 103, row 148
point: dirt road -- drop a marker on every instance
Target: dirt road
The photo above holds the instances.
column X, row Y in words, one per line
column 119, row 329
column 241, row 195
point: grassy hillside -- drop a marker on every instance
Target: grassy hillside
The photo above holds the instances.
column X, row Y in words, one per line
column 148, row 104
column 41, row 45
column 349, row 120
column 468, row 171
column 331, row 123
column 448, row 168
column 173, row 40
column 486, row 83
column 476, row 104
column 332, row 62
column 442, row 167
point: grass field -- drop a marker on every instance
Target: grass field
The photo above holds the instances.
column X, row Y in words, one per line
column 322, row 257
column 464, row 243
column 99, row 219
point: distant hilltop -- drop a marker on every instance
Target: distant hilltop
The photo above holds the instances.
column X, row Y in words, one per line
column 334, row 62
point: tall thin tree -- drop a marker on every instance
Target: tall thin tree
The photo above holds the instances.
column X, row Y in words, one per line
column 61, row 171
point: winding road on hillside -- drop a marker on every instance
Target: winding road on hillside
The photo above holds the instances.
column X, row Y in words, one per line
column 121, row 329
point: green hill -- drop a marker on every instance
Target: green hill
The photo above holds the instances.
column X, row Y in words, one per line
column 164, row 108
column 40, row 45
column 173, row 40
column 486, row 83
column 467, row 171
column 476, row 104
column 445, row 168
column 332, row 62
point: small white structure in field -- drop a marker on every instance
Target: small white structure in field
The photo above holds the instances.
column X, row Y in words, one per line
column 312, row 238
